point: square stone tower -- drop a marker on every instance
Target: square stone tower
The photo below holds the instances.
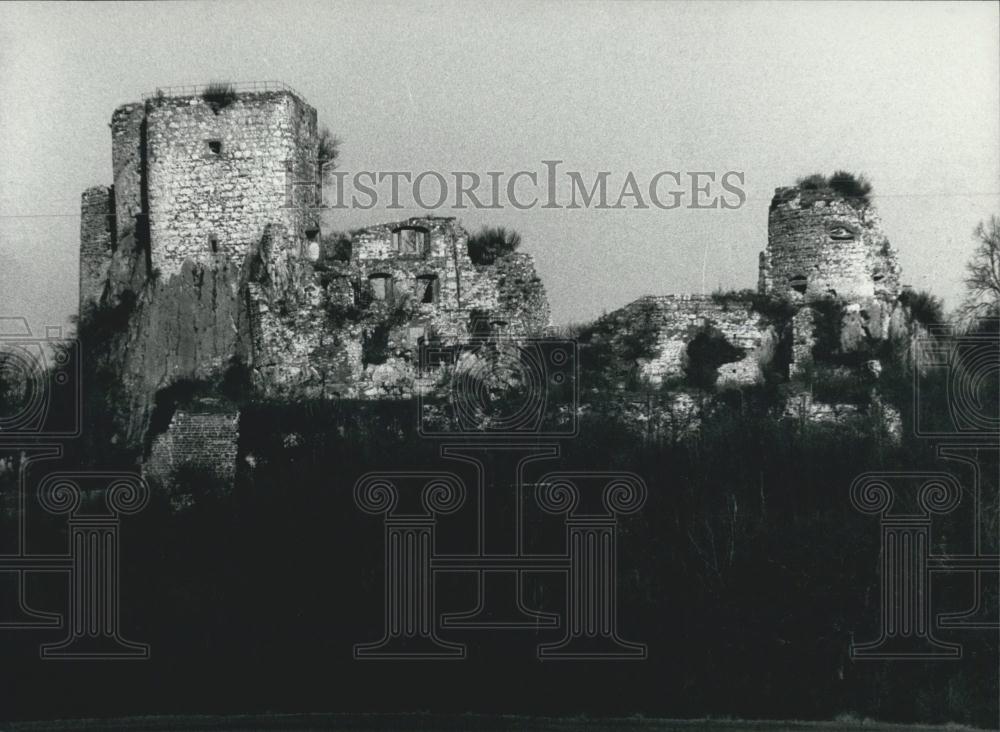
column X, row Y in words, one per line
column 198, row 177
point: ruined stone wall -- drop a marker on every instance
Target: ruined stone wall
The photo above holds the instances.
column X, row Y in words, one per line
column 820, row 245
column 292, row 343
column 127, row 152
column 512, row 292
column 679, row 318
column 203, row 437
column 328, row 328
column 97, row 232
column 218, row 175
column 129, row 264
column 442, row 263
column 859, row 326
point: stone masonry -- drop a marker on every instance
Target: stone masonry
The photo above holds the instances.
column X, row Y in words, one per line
column 212, row 228
column 97, row 238
column 824, row 253
column 820, row 245
column 678, row 318
column 202, row 437
column 214, row 233
column 354, row 327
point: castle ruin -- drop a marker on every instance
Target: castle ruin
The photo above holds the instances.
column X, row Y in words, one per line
column 210, row 239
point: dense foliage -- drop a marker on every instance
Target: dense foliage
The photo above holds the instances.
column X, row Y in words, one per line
column 492, row 242
column 219, row 94
column 747, row 573
column 856, row 189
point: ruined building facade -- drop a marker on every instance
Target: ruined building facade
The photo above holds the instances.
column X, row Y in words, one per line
column 211, row 245
column 829, row 303
column 210, row 241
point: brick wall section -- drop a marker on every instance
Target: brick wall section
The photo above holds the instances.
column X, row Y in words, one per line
column 840, row 249
column 97, row 229
column 204, row 437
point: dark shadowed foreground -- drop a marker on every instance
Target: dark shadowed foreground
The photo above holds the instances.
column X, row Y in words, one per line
column 433, row 723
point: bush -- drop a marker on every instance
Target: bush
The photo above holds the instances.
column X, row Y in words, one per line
column 219, row 95
column 851, row 186
column 828, row 319
column 831, row 386
column 924, row 307
column 328, row 150
column 337, row 246
column 814, row 182
column 491, row 243
column 375, row 345
column 856, row 189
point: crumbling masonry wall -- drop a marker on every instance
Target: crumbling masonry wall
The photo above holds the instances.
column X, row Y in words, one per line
column 823, row 248
column 203, row 437
column 97, row 234
column 678, row 319
column 821, row 245
column 330, row 328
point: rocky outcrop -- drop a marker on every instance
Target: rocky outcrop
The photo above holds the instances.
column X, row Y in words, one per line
column 182, row 328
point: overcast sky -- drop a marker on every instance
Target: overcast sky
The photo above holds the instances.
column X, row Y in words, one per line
column 906, row 93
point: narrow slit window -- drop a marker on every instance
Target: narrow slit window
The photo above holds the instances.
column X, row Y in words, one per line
column 213, row 243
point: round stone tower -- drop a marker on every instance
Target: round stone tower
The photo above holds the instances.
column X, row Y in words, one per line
column 821, row 244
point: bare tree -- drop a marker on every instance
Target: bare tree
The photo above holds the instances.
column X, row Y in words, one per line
column 982, row 278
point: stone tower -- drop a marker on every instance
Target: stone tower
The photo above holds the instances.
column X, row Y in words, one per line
column 821, row 244
column 97, row 238
column 197, row 179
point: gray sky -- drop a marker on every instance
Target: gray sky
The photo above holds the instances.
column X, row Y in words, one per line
column 907, row 93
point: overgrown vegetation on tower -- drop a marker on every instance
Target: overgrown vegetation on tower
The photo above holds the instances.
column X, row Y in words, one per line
column 219, row 95
column 856, row 188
